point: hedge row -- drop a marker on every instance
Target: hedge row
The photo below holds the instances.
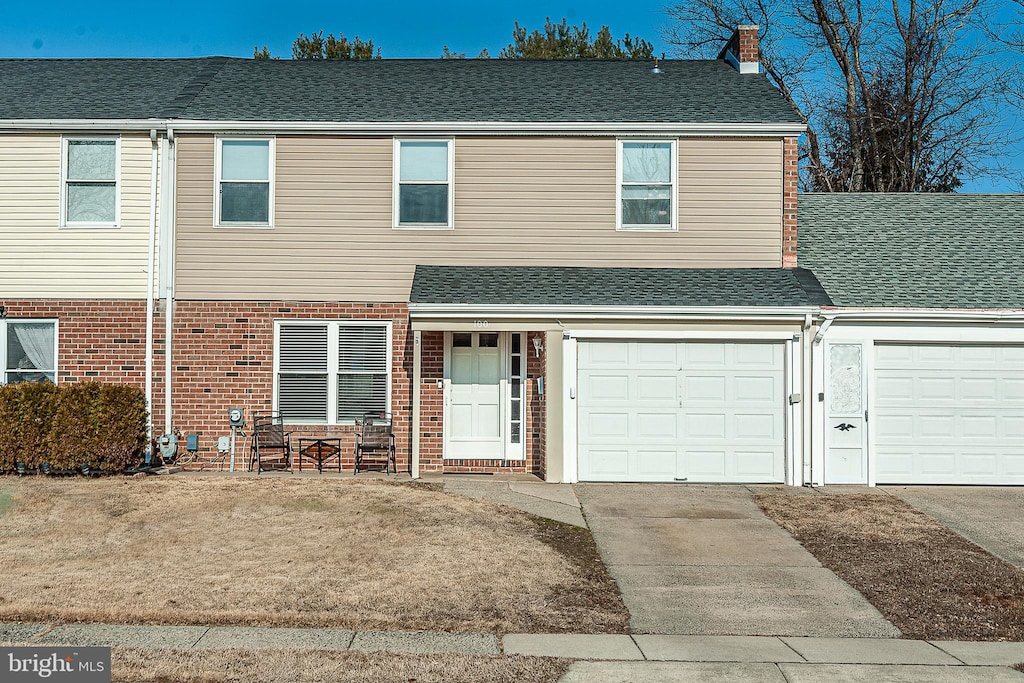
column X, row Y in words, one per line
column 102, row 426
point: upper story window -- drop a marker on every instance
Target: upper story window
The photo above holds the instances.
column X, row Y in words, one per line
column 423, row 184
column 647, row 195
column 90, row 187
column 245, row 182
column 29, row 351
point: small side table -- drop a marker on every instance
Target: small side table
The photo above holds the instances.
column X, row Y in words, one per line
column 320, row 450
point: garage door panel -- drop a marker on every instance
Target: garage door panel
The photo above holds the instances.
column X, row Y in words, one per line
column 657, row 426
column 662, row 389
column 704, row 388
column 699, row 411
column 962, row 420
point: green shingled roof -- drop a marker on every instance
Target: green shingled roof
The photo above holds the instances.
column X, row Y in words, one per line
column 915, row 250
column 400, row 91
column 564, row 286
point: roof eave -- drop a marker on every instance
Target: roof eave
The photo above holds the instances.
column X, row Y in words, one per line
column 428, row 311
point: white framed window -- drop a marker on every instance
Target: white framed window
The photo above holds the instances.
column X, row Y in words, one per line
column 331, row 372
column 90, row 186
column 423, row 191
column 28, row 348
column 245, row 182
column 647, row 197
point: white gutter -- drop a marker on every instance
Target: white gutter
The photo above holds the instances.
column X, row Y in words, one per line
column 83, row 124
column 924, row 315
column 806, row 379
column 150, row 275
column 494, row 127
column 512, row 311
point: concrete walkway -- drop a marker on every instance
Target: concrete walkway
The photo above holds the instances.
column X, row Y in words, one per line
column 523, row 492
column 601, row 658
column 704, row 560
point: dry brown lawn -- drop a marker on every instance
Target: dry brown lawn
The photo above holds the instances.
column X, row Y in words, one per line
column 358, row 554
column 930, row 582
column 307, row 666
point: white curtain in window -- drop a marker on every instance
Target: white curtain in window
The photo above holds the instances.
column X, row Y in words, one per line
column 37, row 342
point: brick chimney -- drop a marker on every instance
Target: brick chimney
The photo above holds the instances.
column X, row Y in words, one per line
column 742, row 50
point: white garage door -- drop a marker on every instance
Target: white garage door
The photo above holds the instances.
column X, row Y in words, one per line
column 949, row 414
column 670, row 411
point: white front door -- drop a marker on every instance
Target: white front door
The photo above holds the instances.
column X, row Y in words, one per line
column 473, row 424
column 845, row 426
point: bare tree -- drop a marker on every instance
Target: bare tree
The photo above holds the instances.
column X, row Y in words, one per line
column 898, row 95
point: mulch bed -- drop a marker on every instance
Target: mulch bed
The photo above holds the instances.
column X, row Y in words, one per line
column 930, row 582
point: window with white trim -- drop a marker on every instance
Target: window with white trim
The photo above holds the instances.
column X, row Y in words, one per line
column 423, row 196
column 29, row 351
column 332, row 372
column 245, row 182
column 90, row 182
column 647, row 196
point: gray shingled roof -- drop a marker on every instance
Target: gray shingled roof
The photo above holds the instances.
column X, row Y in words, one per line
column 915, row 250
column 563, row 286
column 95, row 88
column 399, row 90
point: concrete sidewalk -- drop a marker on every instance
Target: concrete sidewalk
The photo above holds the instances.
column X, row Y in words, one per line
column 602, row 657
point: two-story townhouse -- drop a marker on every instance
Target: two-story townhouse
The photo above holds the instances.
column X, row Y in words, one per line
column 585, row 270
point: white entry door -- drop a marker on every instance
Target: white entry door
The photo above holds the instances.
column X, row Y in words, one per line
column 845, row 426
column 473, row 424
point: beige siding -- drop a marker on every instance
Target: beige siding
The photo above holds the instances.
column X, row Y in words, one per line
column 523, row 201
column 38, row 259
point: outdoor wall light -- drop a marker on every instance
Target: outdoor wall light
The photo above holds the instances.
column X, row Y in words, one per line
column 537, row 348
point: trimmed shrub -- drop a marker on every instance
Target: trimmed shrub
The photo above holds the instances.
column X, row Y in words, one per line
column 102, row 426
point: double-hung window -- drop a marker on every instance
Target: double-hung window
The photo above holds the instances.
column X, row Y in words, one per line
column 647, row 195
column 29, row 351
column 332, row 372
column 423, row 184
column 90, row 187
column 245, row 182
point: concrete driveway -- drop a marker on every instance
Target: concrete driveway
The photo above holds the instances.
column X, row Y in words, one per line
column 990, row 516
column 704, row 560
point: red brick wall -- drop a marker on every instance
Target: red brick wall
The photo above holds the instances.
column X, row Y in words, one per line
column 223, row 354
column 432, row 403
column 789, row 192
column 102, row 340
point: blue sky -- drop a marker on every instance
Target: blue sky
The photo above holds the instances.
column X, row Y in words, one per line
column 189, row 28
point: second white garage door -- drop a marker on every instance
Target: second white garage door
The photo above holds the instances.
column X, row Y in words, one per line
column 949, row 414
column 681, row 411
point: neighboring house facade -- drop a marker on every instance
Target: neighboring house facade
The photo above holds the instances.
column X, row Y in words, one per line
column 919, row 369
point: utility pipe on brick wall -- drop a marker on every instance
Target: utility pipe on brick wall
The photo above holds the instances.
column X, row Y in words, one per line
column 150, row 274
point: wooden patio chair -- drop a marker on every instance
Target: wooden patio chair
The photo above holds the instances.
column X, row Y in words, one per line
column 375, row 442
column 270, row 447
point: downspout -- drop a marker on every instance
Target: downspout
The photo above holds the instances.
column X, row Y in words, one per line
column 807, row 380
column 417, row 372
column 150, row 275
column 170, row 179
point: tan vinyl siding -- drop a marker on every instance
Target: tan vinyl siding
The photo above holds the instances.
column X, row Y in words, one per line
column 523, row 201
column 38, row 259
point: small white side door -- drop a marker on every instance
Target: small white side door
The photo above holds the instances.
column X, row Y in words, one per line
column 845, row 423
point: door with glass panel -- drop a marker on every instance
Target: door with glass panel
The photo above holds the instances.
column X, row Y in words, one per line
column 484, row 396
column 846, row 420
